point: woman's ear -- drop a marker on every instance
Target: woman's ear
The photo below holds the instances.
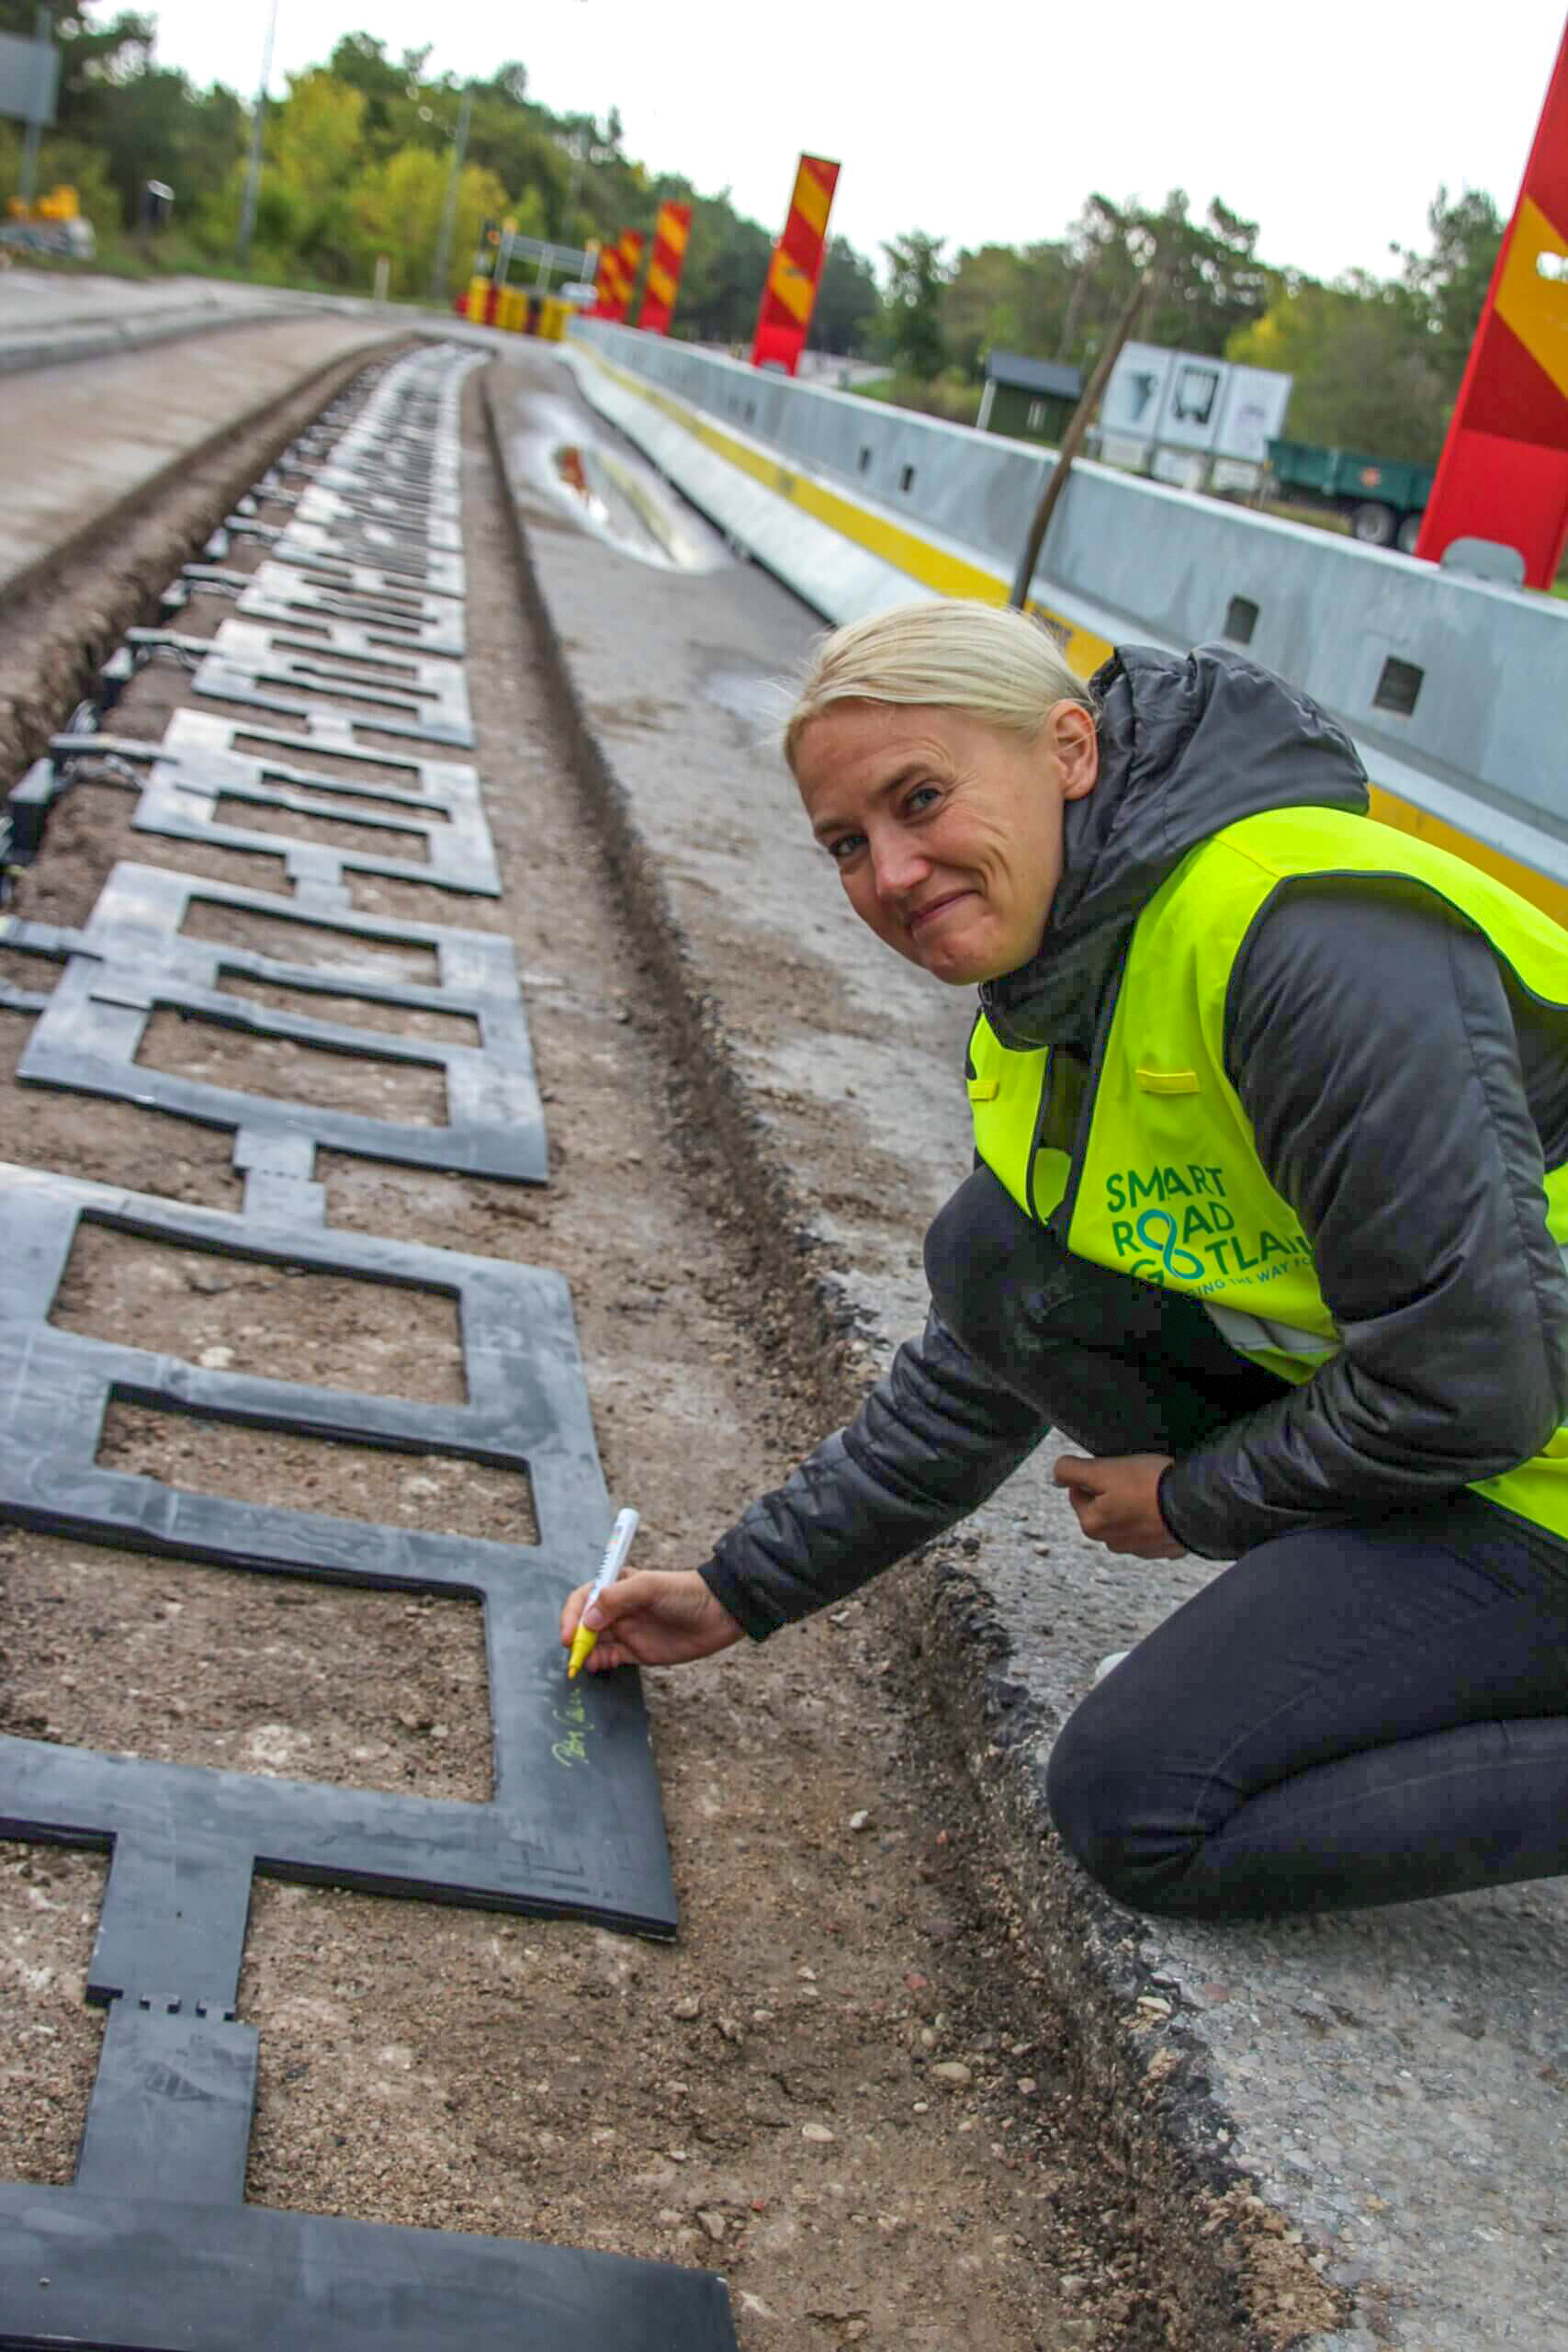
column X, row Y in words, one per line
column 1074, row 742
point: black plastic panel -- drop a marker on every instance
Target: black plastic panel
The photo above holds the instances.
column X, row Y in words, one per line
column 575, row 1823
column 389, row 694
column 392, row 617
column 193, row 765
column 156, row 2275
column 130, row 960
column 153, row 2249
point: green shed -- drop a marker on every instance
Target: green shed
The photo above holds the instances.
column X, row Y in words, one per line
column 1031, row 400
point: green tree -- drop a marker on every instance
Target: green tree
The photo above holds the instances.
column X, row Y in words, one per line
column 315, row 142
column 92, row 57
column 399, row 203
column 1451, row 281
column 1006, row 297
column 847, row 301
column 1205, row 280
column 727, row 261
column 981, row 305
column 360, row 61
column 910, row 325
column 1365, row 373
column 160, row 128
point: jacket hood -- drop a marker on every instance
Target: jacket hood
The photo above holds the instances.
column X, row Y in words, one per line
column 1189, row 743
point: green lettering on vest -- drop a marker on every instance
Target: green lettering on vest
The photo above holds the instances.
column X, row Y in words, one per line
column 1136, row 1148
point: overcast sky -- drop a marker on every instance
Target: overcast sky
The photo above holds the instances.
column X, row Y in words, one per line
column 1330, row 124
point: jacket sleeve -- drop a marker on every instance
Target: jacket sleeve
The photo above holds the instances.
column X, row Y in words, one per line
column 1370, row 1040
column 935, row 1437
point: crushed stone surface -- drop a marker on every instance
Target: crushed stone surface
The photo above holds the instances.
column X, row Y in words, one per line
column 842, row 2085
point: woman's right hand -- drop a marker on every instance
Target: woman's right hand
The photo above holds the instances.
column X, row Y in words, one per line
column 652, row 1617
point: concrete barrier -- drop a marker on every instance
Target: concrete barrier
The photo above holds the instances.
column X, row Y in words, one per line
column 1455, row 690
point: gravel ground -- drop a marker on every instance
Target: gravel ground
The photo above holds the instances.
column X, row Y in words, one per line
column 842, row 2085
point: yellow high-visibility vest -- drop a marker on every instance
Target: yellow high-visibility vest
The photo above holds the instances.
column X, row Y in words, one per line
column 1163, row 1181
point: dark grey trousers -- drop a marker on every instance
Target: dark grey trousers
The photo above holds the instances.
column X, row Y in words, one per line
column 1360, row 1712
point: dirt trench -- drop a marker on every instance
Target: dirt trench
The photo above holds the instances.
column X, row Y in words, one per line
column 841, row 2087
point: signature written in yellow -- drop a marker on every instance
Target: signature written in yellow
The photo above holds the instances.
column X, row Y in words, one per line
column 572, row 1747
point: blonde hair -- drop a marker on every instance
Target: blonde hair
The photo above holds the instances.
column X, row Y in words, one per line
column 1002, row 665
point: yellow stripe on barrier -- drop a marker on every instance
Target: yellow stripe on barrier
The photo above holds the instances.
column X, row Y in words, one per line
column 936, row 568
column 948, row 574
column 1542, row 891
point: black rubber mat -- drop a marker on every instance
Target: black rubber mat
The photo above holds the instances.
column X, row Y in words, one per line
column 384, row 694
column 575, row 1823
column 277, row 592
column 182, row 776
column 132, row 960
column 142, row 2275
column 153, row 2249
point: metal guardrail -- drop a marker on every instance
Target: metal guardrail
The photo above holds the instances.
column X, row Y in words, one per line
column 1455, row 690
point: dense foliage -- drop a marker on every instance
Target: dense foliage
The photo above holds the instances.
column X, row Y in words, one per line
column 1377, row 365
column 358, row 159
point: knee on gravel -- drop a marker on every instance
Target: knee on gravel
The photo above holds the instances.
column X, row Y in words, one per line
column 1106, row 1800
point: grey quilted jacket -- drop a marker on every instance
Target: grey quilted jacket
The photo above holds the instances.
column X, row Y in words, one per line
column 1405, row 1096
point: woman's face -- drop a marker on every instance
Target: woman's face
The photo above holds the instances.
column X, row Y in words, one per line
column 946, row 831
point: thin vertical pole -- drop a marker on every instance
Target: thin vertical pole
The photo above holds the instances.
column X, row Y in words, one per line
column 449, row 211
column 253, row 177
column 1072, row 442
column 43, row 24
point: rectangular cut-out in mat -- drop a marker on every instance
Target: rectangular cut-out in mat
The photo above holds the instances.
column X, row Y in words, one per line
column 574, row 1825
column 352, row 507
column 346, row 576
column 274, row 591
column 132, row 959
column 195, row 765
column 434, row 570
column 382, row 693
column 368, row 487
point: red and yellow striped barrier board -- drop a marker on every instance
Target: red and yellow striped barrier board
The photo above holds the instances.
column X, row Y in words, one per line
column 618, row 266
column 1503, row 470
column 671, row 233
column 790, row 291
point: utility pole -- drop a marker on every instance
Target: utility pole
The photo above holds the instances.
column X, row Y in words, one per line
column 252, row 177
column 449, row 211
column 43, row 26
column 1072, row 442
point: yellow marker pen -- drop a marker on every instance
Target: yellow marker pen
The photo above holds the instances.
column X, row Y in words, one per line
column 615, row 1560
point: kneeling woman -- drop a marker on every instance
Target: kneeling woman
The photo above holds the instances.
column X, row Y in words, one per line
column 1271, row 1123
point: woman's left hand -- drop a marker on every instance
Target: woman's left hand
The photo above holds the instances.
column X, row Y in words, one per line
column 1116, row 1502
